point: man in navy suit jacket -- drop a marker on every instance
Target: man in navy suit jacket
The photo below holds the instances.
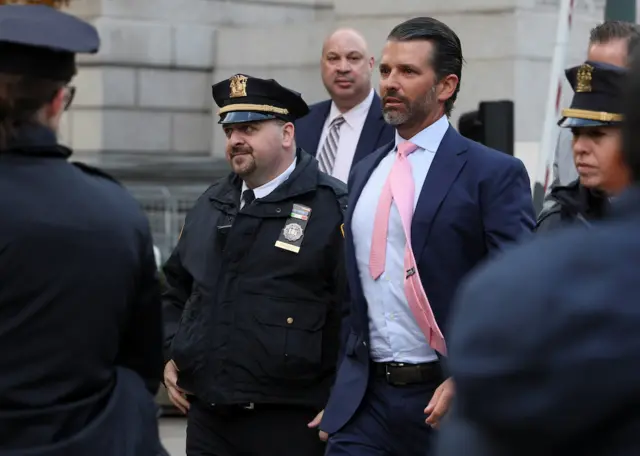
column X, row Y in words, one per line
column 470, row 202
column 349, row 126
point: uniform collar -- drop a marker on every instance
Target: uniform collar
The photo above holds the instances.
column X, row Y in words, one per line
column 266, row 189
column 36, row 140
column 303, row 179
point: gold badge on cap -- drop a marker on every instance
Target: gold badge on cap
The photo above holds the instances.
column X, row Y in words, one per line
column 292, row 234
column 585, row 73
column 238, row 86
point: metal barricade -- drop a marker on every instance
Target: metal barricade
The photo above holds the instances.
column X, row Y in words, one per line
column 166, row 208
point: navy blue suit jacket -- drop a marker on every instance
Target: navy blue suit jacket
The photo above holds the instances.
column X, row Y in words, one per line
column 375, row 132
column 474, row 202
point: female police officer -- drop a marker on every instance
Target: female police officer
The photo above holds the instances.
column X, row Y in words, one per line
column 595, row 120
column 80, row 324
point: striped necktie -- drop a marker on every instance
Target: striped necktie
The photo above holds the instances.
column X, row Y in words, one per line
column 327, row 157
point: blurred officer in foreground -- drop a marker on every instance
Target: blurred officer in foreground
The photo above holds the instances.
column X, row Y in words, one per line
column 257, row 284
column 80, row 311
column 546, row 355
column 595, row 119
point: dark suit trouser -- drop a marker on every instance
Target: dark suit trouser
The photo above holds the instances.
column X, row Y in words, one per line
column 234, row 431
column 389, row 422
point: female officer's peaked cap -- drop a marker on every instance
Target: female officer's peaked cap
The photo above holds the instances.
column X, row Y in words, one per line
column 41, row 41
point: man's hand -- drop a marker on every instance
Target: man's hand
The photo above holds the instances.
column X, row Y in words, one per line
column 440, row 403
column 176, row 395
column 315, row 423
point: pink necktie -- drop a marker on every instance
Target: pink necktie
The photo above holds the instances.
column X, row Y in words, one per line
column 400, row 187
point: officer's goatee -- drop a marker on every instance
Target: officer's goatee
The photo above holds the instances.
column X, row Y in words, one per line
column 246, row 165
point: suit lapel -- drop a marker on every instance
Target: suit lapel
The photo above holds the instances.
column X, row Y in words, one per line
column 371, row 130
column 447, row 164
column 319, row 117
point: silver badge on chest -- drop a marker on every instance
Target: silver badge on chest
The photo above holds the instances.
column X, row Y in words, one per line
column 292, row 232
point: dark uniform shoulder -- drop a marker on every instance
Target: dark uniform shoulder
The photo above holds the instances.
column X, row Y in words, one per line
column 336, row 185
column 551, row 209
column 219, row 187
column 561, row 199
column 216, row 186
column 338, row 188
column 95, row 172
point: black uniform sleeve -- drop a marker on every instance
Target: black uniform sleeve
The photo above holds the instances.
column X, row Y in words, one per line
column 549, row 219
column 141, row 348
column 178, row 283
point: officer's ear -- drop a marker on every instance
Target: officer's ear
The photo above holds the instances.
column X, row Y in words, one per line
column 57, row 105
column 288, row 135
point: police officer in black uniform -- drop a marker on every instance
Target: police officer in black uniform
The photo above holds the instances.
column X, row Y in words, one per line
column 595, row 120
column 257, row 284
column 80, row 308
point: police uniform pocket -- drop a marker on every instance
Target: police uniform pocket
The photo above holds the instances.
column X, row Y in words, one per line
column 292, row 336
column 186, row 337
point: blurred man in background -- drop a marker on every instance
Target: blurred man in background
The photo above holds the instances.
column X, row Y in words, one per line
column 349, row 126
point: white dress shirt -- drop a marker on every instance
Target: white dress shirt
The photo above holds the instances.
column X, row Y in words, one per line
column 266, row 189
column 394, row 333
column 350, row 130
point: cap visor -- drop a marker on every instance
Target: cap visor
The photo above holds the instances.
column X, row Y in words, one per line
column 244, row 116
column 574, row 122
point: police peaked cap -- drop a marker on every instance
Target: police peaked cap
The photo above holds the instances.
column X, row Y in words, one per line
column 243, row 98
column 40, row 41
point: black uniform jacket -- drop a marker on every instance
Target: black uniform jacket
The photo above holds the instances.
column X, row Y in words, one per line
column 572, row 204
column 259, row 323
column 80, row 307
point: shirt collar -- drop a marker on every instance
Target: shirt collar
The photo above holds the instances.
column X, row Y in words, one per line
column 265, row 189
column 354, row 113
column 429, row 138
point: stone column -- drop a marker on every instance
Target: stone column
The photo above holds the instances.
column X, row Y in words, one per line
column 148, row 91
column 145, row 92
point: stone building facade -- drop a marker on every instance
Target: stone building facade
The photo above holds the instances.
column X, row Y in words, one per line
column 148, row 91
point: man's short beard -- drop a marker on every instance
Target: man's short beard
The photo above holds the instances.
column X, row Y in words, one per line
column 395, row 118
column 413, row 110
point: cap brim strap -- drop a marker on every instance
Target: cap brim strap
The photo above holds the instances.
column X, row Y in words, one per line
column 253, row 107
column 592, row 115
